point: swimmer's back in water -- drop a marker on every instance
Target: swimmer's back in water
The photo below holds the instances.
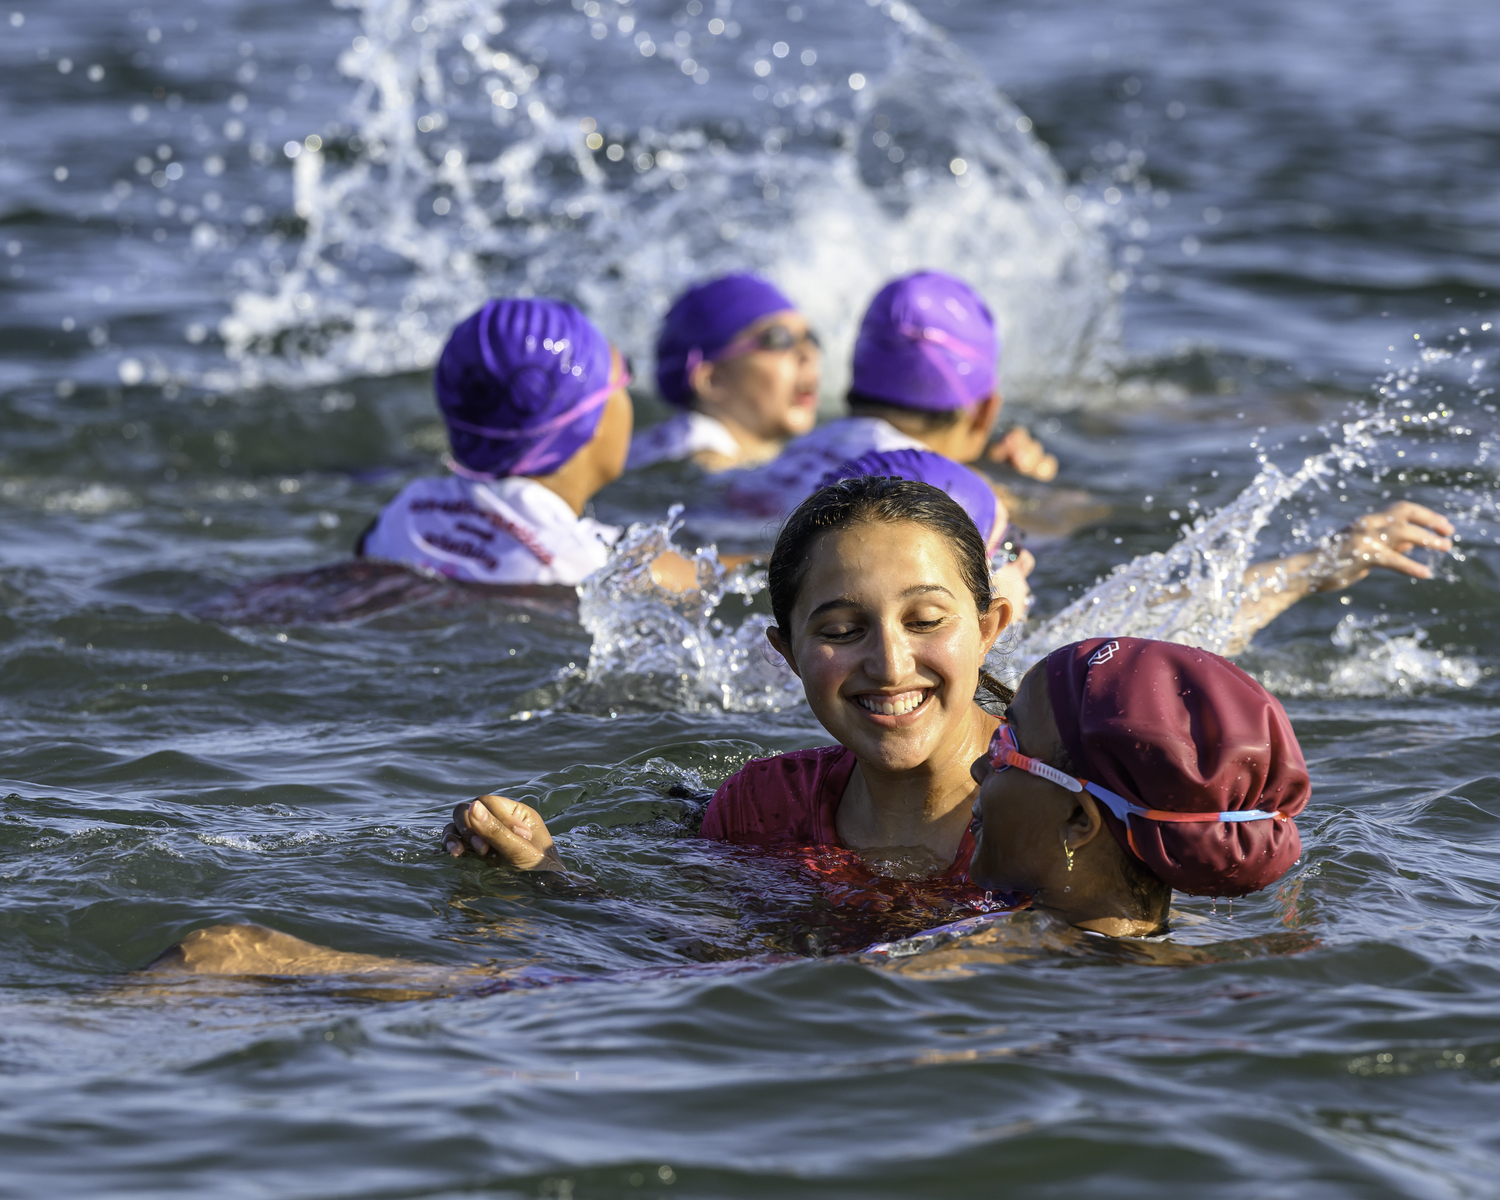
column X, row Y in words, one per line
column 539, row 420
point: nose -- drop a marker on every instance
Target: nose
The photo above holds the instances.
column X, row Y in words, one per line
column 889, row 660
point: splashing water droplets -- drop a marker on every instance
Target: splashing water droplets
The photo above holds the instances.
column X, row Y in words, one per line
column 485, row 160
column 656, row 648
column 1192, row 592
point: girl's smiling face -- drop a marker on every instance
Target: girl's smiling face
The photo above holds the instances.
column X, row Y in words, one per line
column 888, row 643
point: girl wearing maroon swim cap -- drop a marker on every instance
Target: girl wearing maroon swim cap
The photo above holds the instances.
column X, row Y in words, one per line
column 1127, row 768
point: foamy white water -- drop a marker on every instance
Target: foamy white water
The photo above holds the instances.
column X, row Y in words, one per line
column 614, row 153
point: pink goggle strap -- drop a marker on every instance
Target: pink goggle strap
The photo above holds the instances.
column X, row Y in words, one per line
column 929, row 338
column 1003, row 751
column 545, row 432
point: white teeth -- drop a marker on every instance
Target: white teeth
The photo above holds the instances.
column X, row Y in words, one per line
column 892, row 706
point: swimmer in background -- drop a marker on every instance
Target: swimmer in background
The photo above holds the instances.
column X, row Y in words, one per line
column 739, row 361
column 924, row 379
column 539, row 420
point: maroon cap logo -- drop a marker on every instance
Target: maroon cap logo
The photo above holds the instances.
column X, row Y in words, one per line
column 1103, row 654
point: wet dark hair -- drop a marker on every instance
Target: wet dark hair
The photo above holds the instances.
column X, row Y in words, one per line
column 884, row 499
column 928, row 420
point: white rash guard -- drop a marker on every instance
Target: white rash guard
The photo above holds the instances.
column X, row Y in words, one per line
column 506, row 531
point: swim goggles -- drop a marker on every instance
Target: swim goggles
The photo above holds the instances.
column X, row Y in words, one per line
column 773, row 337
column 1005, row 754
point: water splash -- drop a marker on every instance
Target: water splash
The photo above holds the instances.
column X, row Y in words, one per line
column 1190, row 593
column 1362, row 659
column 657, row 648
column 1427, row 434
column 473, row 165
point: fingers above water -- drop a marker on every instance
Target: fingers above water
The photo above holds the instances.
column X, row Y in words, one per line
column 514, row 831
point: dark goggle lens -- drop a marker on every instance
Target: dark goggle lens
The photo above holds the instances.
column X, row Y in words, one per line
column 779, row 337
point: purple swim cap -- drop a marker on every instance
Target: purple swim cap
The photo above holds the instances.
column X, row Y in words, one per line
column 702, row 321
column 522, row 384
column 927, row 341
column 971, row 492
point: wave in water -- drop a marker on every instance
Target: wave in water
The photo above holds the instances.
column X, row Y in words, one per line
column 612, row 153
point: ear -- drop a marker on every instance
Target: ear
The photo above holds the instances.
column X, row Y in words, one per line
column 993, row 622
column 782, row 648
column 986, row 413
column 1084, row 822
column 701, row 380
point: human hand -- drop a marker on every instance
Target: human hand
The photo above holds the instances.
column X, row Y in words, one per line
column 1010, row 583
column 512, row 831
column 1383, row 539
column 1025, row 454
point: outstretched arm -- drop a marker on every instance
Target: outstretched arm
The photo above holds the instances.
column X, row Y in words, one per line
column 1380, row 539
column 677, row 573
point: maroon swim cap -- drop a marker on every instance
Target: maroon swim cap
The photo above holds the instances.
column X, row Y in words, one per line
column 1178, row 729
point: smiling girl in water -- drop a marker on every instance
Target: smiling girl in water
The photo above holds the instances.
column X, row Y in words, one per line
column 882, row 598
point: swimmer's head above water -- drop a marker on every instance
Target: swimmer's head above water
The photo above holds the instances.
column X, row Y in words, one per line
column 970, row 491
column 926, row 361
column 736, row 349
column 1127, row 768
column 884, row 606
column 531, row 387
